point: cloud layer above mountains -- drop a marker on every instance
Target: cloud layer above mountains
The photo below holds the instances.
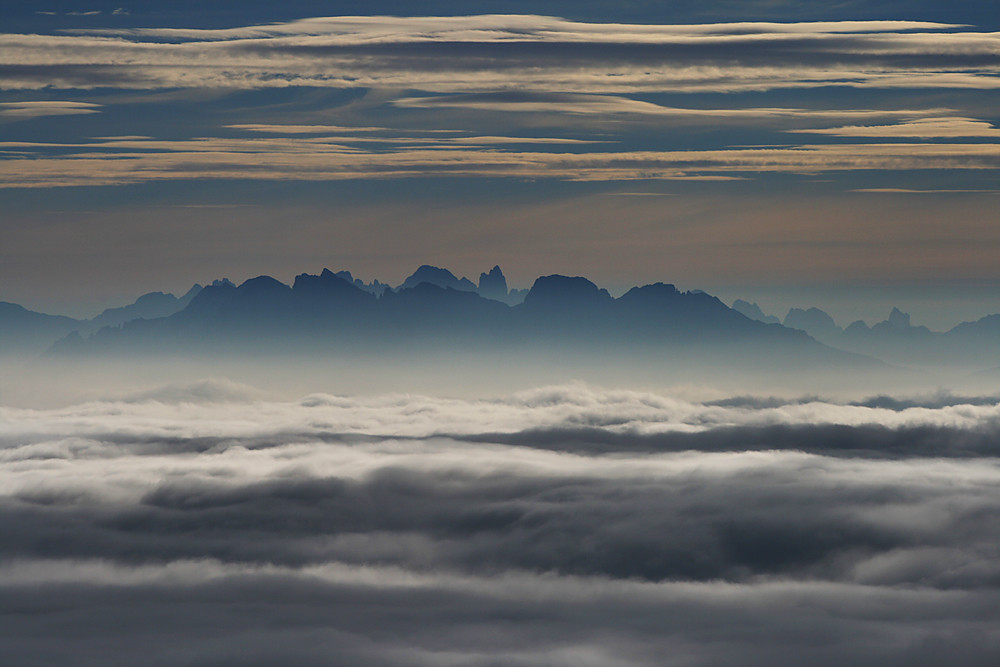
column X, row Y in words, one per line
column 510, row 64
column 565, row 525
column 482, row 53
column 780, row 132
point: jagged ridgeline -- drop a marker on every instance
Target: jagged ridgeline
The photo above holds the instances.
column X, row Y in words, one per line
column 896, row 339
column 435, row 311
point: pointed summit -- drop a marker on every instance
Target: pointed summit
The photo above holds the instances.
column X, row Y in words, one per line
column 898, row 319
column 493, row 285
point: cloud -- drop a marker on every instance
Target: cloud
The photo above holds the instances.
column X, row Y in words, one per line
column 350, row 528
column 921, row 128
column 507, row 28
column 536, row 70
column 910, row 191
column 211, row 390
column 263, row 616
column 501, row 53
column 612, row 104
column 303, row 129
column 34, row 109
column 345, row 156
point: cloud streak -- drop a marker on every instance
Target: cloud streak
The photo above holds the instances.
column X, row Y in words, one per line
column 483, row 53
column 531, row 71
column 36, row 108
column 921, row 128
column 345, row 156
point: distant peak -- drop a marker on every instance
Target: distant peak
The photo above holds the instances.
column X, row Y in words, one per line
column 558, row 290
column 325, row 280
column 263, row 284
column 661, row 288
column 813, row 321
column 754, row 312
column 493, row 285
column 426, row 270
column 898, row 319
column 191, row 293
column 154, row 296
column 437, row 276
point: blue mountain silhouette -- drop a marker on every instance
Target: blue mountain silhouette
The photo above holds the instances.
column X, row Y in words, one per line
column 560, row 315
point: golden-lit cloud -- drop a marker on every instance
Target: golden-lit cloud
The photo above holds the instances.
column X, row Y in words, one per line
column 920, row 128
column 604, row 105
column 36, row 108
column 496, row 53
column 339, row 157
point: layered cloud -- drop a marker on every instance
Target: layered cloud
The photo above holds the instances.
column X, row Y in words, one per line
column 340, row 156
column 615, row 105
column 921, row 128
column 564, row 525
column 483, row 53
column 34, row 109
column 455, row 80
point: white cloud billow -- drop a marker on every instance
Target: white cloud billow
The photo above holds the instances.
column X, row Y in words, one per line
column 404, row 527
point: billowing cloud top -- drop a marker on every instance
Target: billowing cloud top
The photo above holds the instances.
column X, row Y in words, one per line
column 627, row 525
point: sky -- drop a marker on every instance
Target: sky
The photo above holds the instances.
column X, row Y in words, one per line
column 840, row 154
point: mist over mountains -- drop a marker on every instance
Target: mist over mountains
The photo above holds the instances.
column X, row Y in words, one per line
column 434, row 312
column 895, row 339
column 431, row 309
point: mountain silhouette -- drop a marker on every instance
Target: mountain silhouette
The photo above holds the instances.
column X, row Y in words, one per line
column 24, row 331
column 565, row 295
column 897, row 340
column 433, row 311
column 754, row 312
column 376, row 287
column 561, row 317
column 147, row 307
column 438, row 276
column 493, row 285
column 813, row 321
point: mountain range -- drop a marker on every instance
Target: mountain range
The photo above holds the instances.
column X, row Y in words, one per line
column 896, row 339
column 433, row 309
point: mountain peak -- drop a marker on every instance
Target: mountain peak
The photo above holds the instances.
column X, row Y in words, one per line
column 898, row 319
column 562, row 291
column 437, row 276
column 264, row 285
column 813, row 321
column 754, row 312
column 327, row 279
column 493, row 285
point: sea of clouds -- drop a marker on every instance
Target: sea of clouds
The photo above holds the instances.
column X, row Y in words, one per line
column 205, row 524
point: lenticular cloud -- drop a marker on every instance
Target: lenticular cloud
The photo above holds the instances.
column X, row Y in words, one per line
column 564, row 525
